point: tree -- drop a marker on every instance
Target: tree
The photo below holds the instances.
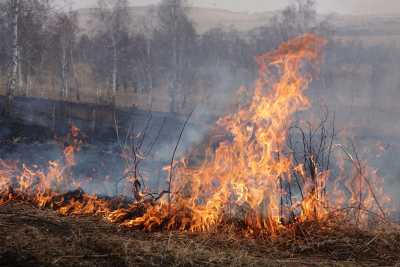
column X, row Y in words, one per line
column 12, row 83
column 34, row 41
column 297, row 19
column 64, row 33
column 177, row 37
column 115, row 20
column 145, row 59
column 22, row 27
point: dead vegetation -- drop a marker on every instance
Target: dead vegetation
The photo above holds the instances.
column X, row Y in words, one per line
column 35, row 237
column 252, row 202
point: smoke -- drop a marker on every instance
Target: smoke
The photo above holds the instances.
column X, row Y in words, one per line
column 360, row 85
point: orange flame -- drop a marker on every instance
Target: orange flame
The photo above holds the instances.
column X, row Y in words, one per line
column 242, row 180
column 242, row 176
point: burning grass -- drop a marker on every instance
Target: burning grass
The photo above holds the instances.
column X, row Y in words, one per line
column 40, row 237
column 260, row 182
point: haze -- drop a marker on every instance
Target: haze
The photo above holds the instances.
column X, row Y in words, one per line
column 324, row 6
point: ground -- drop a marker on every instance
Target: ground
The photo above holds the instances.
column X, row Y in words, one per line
column 36, row 237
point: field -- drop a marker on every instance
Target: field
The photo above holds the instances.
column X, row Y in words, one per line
column 34, row 237
column 275, row 191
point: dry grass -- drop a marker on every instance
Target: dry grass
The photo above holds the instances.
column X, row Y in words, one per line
column 34, row 237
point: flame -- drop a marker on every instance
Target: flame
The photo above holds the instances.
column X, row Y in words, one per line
column 244, row 174
column 246, row 180
column 243, row 178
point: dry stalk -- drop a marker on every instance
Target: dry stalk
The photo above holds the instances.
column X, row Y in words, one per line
column 174, row 153
column 359, row 167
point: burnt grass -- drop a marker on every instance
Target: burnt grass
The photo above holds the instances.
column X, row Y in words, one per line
column 41, row 237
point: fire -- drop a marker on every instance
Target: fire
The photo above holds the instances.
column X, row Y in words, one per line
column 45, row 188
column 251, row 179
column 243, row 179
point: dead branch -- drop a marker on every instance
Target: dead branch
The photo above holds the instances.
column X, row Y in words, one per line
column 85, row 257
column 173, row 154
column 350, row 157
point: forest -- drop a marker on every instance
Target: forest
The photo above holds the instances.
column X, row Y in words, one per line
column 163, row 56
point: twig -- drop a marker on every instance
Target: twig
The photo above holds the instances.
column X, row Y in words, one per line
column 86, row 256
column 144, row 132
column 334, row 211
column 156, row 139
column 361, row 174
column 365, row 178
column 173, row 154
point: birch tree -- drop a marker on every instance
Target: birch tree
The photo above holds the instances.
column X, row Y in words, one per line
column 115, row 21
column 177, row 36
column 146, row 58
column 64, row 32
column 33, row 41
column 12, row 82
column 24, row 21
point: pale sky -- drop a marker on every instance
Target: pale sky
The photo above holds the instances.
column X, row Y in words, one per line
column 324, row 6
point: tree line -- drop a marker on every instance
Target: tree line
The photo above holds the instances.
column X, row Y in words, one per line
column 43, row 46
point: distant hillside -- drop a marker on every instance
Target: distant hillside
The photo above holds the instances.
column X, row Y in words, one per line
column 370, row 25
column 369, row 30
column 203, row 18
column 207, row 18
column 373, row 29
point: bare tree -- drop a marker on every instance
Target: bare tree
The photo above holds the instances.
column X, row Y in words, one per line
column 64, row 31
column 177, row 35
column 33, row 41
column 136, row 147
column 12, row 83
column 24, row 21
column 299, row 18
column 146, row 59
column 115, row 20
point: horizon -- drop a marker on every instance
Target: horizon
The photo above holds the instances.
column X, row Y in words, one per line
column 350, row 7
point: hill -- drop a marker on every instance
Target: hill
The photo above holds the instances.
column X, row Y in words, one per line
column 361, row 26
column 203, row 18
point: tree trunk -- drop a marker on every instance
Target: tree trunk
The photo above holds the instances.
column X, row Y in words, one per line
column 12, row 83
column 20, row 80
column 115, row 69
column 149, row 68
column 64, row 93
column 28, row 84
column 75, row 83
column 94, row 118
column 173, row 90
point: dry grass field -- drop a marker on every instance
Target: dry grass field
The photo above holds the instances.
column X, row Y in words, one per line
column 35, row 237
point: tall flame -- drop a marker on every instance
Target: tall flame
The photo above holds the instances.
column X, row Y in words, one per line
column 242, row 180
column 242, row 176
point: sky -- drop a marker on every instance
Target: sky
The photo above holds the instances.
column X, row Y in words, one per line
column 324, row 6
